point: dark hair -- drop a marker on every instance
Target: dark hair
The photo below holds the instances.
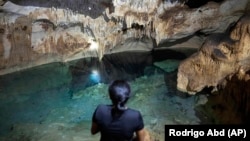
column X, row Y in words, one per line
column 119, row 92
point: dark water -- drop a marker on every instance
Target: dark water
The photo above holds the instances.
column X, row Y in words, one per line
column 128, row 66
column 68, row 93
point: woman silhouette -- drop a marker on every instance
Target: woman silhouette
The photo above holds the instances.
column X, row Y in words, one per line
column 117, row 122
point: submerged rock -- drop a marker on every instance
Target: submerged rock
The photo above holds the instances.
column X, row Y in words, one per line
column 169, row 65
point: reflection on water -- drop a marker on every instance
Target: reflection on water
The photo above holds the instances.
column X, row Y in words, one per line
column 63, row 96
column 128, row 66
column 90, row 71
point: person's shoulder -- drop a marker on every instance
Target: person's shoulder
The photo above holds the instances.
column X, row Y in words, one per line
column 133, row 114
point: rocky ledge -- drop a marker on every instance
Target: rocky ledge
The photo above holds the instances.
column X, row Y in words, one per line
column 221, row 55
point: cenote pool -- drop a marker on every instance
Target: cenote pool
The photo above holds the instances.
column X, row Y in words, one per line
column 55, row 102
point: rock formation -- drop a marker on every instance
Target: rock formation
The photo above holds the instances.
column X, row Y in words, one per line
column 221, row 55
column 40, row 33
column 234, row 89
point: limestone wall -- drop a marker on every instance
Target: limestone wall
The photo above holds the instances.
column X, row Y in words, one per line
column 34, row 35
column 221, row 55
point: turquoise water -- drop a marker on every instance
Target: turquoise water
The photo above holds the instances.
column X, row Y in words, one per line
column 56, row 101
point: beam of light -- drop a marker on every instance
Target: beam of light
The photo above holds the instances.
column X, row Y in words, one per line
column 95, row 76
column 94, row 45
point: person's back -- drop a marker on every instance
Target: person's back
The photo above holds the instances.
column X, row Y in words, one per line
column 116, row 122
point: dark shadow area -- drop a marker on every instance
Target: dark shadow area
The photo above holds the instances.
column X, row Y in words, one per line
column 91, row 8
column 199, row 3
column 178, row 41
column 126, row 65
column 159, row 55
column 230, row 104
column 90, row 71
column 184, row 40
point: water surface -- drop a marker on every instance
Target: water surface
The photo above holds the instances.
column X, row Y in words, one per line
column 56, row 101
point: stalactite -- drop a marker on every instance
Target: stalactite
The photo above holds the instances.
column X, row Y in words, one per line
column 125, row 14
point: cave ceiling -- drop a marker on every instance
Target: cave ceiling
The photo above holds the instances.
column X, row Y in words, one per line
column 45, row 31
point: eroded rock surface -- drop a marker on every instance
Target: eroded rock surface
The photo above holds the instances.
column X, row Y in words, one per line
column 39, row 34
column 220, row 55
column 234, row 89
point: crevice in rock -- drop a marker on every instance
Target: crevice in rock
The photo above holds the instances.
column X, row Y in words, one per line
column 137, row 26
column 199, row 3
column 230, row 103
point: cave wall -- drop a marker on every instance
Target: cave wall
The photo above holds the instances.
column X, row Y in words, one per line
column 222, row 54
column 38, row 32
column 230, row 104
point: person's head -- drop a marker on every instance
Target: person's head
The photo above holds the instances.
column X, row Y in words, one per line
column 119, row 92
